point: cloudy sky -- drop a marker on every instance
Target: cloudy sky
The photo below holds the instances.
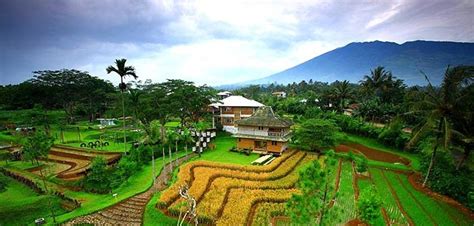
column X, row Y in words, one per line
column 209, row 42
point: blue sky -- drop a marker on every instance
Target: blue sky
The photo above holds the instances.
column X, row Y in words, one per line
column 209, row 42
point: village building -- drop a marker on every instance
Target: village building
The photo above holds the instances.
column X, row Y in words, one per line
column 279, row 94
column 230, row 109
column 263, row 132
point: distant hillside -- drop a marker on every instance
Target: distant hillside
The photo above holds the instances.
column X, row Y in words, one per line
column 355, row 60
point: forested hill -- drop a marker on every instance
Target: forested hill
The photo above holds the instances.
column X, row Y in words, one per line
column 355, row 60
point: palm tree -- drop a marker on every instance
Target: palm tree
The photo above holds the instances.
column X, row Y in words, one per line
column 123, row 71
column 342, row 92
column 377, row 80
column 170, row 136
column 135, row 99
column 438, row 106
column 187, row 138
column 151, row 137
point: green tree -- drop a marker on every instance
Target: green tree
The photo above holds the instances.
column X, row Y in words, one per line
column 438, row 107
column 315, row 184
column 123, row 71
column 98, row 178
column 35, row 147
column 368, row 205
column 315, row 135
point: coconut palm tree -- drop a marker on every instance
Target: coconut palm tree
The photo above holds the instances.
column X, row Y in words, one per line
column 438, row 105
column 342, row 91
column 123, row 71
column 376, row 80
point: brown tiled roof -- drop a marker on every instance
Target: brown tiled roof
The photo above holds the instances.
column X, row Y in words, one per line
column 264, row 116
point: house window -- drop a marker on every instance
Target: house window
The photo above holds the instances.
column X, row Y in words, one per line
column 239, row 139
column 274, row 143
column 260, row 128
column 227, row 109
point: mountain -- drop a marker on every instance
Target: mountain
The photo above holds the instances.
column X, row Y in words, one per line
column 353, row 61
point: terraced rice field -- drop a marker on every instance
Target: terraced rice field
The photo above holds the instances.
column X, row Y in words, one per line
column 72, row 163
column 405, row 205
column 229, row 194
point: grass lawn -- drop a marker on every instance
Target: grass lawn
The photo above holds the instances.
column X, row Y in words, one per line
column 415, row 162
column 224, row 142
column 19, row 205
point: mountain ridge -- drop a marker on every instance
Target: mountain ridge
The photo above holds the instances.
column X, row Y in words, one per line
column 351, row 62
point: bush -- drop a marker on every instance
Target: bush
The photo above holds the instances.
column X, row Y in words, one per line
column 446, row 180
column 99, row 177
column 368, row 205
column 362, row 164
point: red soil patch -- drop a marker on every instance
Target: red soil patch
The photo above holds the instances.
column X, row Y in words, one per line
column 415, row 181
column 372, row 154
column 355, row 222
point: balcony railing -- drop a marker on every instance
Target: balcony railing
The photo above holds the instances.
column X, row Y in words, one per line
column 263, row 133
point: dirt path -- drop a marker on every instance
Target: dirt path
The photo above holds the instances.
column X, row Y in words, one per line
column 129, row 211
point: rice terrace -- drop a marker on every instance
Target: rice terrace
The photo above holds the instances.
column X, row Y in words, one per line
column 231, row 113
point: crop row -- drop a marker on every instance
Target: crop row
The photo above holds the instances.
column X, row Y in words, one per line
column 343, row 209
column 241, row 200
column 208, row 175
column 213, row 200
column 265, row 210
column 186, row 175
column 432, row 209
column 389, row 201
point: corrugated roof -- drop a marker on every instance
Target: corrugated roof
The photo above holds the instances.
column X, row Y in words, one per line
column 264, row 116
column 236, row 101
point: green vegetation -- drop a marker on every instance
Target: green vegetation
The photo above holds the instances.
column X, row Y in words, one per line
column 20, row 205
column 344, row 205
column 224, row 142
column 152, row 216
column 368, row 205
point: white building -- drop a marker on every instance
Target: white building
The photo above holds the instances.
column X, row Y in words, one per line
column 232, row 108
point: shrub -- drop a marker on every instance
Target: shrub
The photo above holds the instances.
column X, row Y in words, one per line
column 446, row 180
column 368, row 205
column 98, row 178
column 362, row 164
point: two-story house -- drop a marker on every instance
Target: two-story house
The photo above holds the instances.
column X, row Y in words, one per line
column 263, row 132
column 230, row 109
